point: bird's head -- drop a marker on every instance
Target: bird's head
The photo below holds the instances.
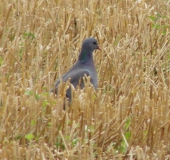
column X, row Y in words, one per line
column 90, row 44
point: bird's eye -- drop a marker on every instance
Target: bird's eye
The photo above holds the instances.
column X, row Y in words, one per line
column 94, row 43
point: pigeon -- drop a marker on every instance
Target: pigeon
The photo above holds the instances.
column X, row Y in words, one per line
column 83, row 67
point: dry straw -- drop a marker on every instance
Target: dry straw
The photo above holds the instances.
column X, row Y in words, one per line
column 127, row 118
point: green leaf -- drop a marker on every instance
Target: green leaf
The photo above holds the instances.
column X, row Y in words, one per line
column 127, row 135
column 49, row 124
column 29, row 35
column 127, row 124
column 123, row 147
column 75, row 141
column 18, row 137
column 29, row 136
column 37, row 96
column 156, row 26
column 60, row 144
column 1, row 60
column 153, row 18
column 29, row 93
column 45, row 103
column 33, row 122
column 164, row 32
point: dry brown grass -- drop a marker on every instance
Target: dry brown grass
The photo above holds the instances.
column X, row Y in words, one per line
column 128, row 117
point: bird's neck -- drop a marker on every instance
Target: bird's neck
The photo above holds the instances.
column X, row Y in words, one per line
column 85, row 56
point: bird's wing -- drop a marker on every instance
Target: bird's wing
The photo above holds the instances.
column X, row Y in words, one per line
column 74, row 77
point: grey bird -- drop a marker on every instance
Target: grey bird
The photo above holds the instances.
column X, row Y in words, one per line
column 84, row 66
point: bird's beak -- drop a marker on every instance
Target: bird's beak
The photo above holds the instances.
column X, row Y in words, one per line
column 99, row 48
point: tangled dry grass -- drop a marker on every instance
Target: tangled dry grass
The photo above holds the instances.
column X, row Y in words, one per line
column 129, row 115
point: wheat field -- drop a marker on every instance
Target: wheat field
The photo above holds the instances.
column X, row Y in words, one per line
column 128, row 117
